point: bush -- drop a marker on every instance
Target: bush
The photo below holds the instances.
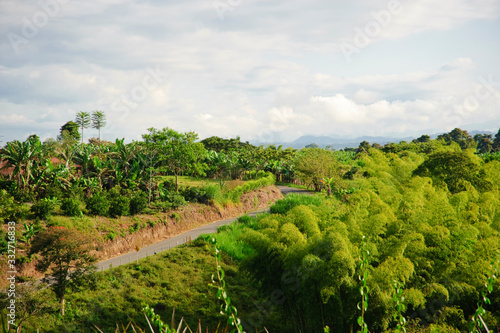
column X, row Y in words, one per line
column 49, row 191
column 176, row 200
column 250, row 185
column 138, row 202
column 110, row 236
column 10, row 210
column 195, row 194
column 136, row 226
column 42, row 209
column 9, row 185
column 71, row 207
column 98, row 204
column 119, row 204
column 212, row 192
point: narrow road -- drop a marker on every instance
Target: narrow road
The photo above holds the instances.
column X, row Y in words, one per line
column 182, row 238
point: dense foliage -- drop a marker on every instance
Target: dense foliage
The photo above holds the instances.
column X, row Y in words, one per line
column 418, row 221
column 437, row 233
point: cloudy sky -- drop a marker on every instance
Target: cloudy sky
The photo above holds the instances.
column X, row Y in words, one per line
column 264, row 70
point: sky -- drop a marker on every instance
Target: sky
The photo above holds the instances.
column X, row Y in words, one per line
column 264, row 70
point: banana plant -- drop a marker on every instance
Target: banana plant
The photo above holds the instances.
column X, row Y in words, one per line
column 329, row 182
column 101, row 168
column 22, row 156
column 83, row 157
column 29, row 232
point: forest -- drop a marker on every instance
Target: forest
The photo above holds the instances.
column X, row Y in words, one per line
column 403, row 237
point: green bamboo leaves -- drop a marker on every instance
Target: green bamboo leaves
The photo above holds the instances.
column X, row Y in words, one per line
column 364, row 267
column 399, row 300
column 477, row 321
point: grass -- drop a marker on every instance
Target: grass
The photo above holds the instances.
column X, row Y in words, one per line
column 189, row 181
column 228, row 238
column 302, row 187
column 176, row 279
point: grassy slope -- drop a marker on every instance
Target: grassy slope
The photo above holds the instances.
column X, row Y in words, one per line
column 177, row 279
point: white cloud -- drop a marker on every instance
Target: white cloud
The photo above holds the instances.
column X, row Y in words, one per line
column 268, row 70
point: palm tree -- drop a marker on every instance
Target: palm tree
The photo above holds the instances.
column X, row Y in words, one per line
column 98, row 122
column 83, row 120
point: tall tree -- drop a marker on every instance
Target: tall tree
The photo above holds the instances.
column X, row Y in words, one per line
column 65, row 254
column 496, row 142
column 315, row 164
column 83, row 120
column 483, row 142
column 462, row 137
column 454, row 169
column 71, row 129
column 98, row 121
column 178, row 152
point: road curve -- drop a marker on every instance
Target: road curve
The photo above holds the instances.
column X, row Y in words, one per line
column 167, row 244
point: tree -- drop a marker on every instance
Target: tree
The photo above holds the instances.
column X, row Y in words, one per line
column 30, row 302
column 98, row 121
column 177, row 151
column 422, row 138
column 220, row 165
column 315, row 164
column 225, row 145
column 364, row 147
column 459, row 136
column 484, row 144
column 71, row 128
column 65, row 254
column 496, row 142
column 454, row 169
column 83, row 120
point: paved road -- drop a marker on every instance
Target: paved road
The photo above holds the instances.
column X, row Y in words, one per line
column 180, row 239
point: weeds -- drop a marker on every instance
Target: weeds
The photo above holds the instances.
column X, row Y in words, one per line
column 226, row 308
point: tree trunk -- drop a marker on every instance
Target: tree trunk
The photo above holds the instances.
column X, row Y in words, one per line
column 176, row 183
column 63, row 306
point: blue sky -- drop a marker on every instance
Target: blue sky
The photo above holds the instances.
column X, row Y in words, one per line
column 263, row 70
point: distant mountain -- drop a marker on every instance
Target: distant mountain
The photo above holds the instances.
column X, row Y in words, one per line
column 341, row 143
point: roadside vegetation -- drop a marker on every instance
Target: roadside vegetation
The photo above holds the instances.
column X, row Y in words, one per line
column 401, row 237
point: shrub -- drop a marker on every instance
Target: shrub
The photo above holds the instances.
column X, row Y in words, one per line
column 49, row 191
column 136, row 226
column 10, row 210
column 212, row 192
column 98, row 204
column 71, row 207
column 118, row 204
column 42, row 209
column 176, row 216
column 171, row 200
column 250, row 185
column 111, row 236
column 138, row 202
column 194, row 194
